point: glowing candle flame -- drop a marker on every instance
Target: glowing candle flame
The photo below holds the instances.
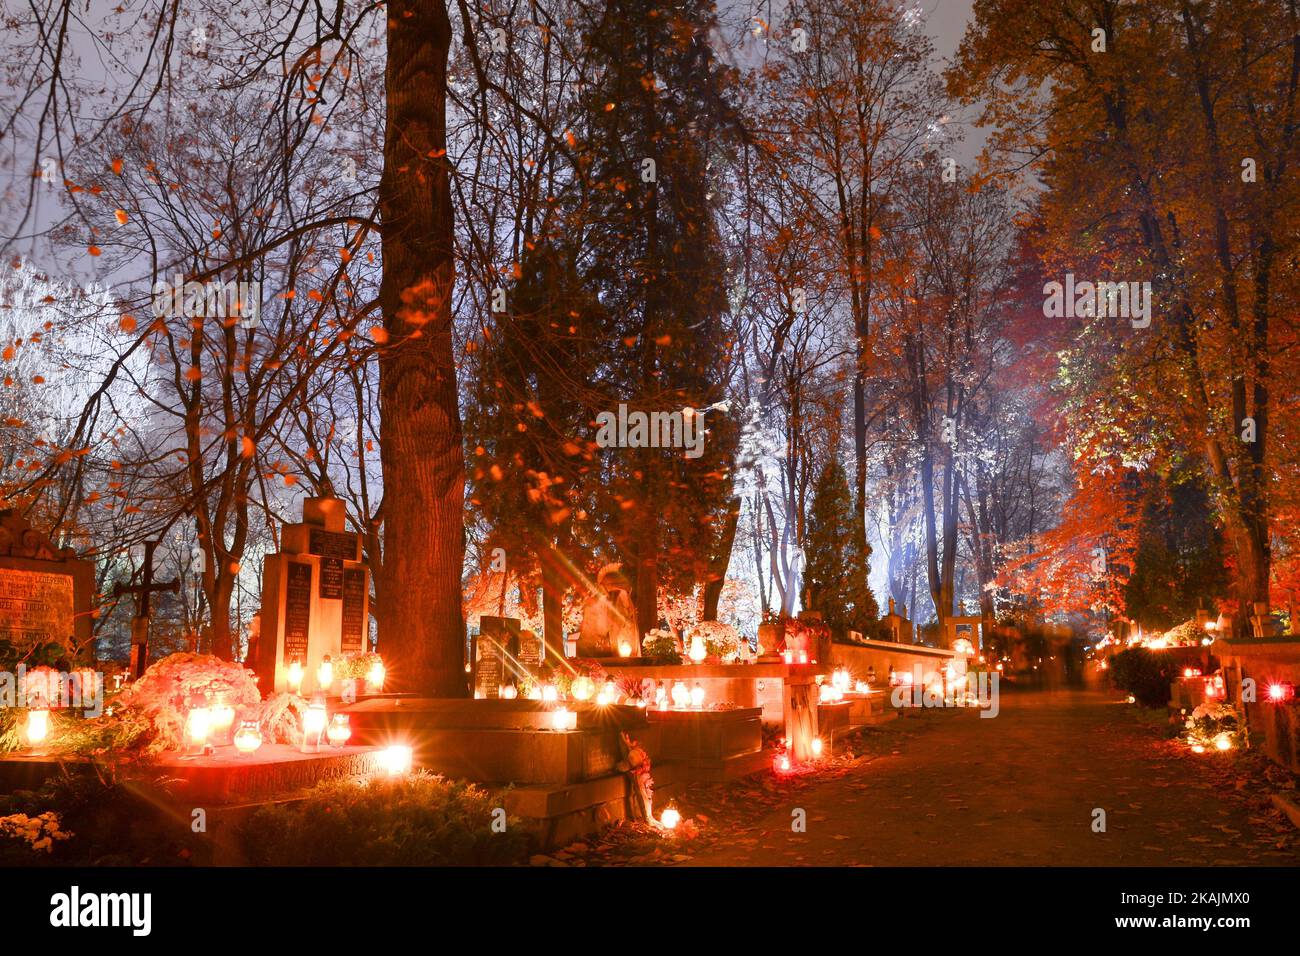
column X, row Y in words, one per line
column 395, row 760
column 38, row 726
column 295, row 676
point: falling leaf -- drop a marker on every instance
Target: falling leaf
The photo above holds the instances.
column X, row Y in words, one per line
column 121, row 216
column 94, row 250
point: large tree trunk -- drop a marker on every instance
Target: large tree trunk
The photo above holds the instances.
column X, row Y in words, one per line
column 422, row 627
column 721, row 559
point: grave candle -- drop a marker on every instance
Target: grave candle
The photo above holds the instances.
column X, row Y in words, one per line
column 508, row 692
column 697, row 696
column 198, row 727
column 681, row 695
column 624, row 649
column 375, row 676
column 325, row 673
column 221, row 723
column 38, row 724
column 248, row 738
column 339, row 730
column 698, row 651
column 295, row 676
column 313, row 725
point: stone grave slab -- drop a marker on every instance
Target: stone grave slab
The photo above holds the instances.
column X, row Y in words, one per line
column 274, row 770
column 45, row 590
column 501, row 741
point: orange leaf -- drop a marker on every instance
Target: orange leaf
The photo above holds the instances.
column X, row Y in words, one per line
column 121, row 216
column 117, row 165
column 128, row 324
column 94, row 250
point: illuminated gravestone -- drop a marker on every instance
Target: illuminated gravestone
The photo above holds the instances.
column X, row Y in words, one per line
column 315, row 597
column 897, row 625
column 496, row 649
column 45, row 590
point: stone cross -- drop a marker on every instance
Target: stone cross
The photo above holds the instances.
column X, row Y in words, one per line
column 140, row 623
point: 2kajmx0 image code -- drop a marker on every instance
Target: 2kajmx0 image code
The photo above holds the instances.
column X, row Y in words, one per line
column 1194, row 898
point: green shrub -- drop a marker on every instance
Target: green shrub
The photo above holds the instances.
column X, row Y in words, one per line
column 1147, row 675
column 420, row 820
column 661, row 647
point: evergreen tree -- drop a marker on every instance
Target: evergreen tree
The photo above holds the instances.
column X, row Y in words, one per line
column 658, row 129
column 835, row 576
column 1179, row 560
column 531, row 454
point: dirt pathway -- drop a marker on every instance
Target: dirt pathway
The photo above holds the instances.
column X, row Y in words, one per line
column 954, row 789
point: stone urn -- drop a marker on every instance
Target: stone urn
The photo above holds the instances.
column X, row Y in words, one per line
column 771, row 638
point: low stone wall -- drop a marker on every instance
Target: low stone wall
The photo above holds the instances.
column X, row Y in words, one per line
column 1274, row 726
column 881, row 655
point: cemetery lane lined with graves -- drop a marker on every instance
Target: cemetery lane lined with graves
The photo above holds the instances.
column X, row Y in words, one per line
column 949, row 789
column 648, row 436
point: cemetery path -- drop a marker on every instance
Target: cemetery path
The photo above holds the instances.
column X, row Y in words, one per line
column 949, row 788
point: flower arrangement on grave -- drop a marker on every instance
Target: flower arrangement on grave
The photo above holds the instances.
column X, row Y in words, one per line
column 661, row 647
column 1213, row 726
column 1187, row 634
column 280, row 718
column 805, row 635
column 363, row 668
column 162, row 694
column 147, row 717
column 721, row 641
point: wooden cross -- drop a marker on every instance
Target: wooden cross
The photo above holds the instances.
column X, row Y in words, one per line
column 140, row 623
